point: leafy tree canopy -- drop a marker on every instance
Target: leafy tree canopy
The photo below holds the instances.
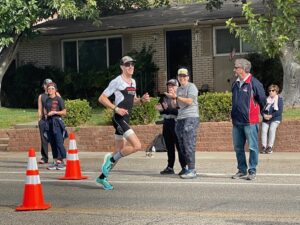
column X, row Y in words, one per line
column 271, row 31
column 113, row 7
column 19, row 16
column 268, row 32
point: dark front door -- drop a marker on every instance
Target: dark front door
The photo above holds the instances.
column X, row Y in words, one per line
column 179, row 52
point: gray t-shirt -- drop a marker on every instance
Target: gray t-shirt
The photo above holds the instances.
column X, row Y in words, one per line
column 188, row 91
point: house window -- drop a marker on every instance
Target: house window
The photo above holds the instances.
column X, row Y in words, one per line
column 246, row 47
column 226, row 42
column 70, row 55
column 83, row 55
column 114, row 50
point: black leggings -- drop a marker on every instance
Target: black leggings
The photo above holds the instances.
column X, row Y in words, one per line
column 171, row 141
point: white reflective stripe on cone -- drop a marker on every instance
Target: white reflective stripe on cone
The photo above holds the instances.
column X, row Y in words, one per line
column 72, row 145
column 32, row 165
column 73, row 157
column 35, row 179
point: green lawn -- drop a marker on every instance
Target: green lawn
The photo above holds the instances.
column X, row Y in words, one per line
column 97, row 117
column 291, row 114
column 10, row 117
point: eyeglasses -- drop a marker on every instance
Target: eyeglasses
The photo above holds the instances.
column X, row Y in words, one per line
column 271, row 90
column 236, row 67
column 128, row 64
column 182, row 75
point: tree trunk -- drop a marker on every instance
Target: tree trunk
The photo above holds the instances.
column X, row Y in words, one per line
column 6, row 57
column 291, row 76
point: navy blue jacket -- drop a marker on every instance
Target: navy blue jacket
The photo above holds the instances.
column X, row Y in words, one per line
column 247, row 101
column 276, row 114
column 53, row 122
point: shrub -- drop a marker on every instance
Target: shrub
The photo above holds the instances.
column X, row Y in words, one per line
column 215, row 106
column 27, row 79
column 140, row 115
column 108, row 115
column 144, row 113
column 72, row 85
column 88, row 85
column 78, row 112
column 145, row 70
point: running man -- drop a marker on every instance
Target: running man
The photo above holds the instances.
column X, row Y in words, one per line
column 124, row 89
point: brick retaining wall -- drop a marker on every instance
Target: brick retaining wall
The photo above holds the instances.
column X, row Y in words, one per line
column 213, row 136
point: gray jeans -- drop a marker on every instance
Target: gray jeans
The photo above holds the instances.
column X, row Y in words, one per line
column 186, row 131
column 268, row 133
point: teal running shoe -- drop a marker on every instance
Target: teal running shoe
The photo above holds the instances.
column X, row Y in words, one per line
column 106, row 185
column 105, row 158
column 107, row 165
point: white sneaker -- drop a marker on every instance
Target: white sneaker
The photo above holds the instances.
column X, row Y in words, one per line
column 52, row 166
column 189, row 174
column 61, row 166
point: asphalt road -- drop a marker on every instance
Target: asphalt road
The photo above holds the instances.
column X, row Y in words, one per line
column 142, row 196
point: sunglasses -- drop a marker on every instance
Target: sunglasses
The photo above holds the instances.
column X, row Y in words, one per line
column 271, row 90
column 128, row 64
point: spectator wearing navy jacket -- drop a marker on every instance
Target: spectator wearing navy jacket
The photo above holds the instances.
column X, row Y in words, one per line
column 272, row 116
column 248, row 99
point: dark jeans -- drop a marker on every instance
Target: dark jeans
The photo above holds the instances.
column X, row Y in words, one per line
column 171, row 141
column 44, row 141
column 186, row 131
column 56, row 140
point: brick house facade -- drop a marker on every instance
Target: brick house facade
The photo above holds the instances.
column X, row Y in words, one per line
column 45, row 51
column 147, row 27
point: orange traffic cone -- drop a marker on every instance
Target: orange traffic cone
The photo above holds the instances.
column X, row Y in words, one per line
column 73, row 171
column 33, row 196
